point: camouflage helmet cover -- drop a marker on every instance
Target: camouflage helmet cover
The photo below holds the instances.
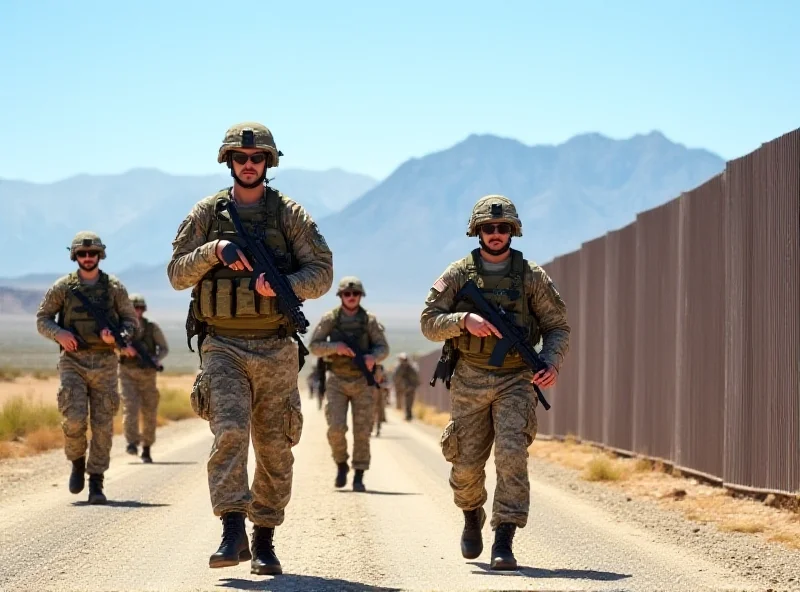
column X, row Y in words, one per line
column 494, row 208
column 138, row 301
column 350, row 282
column 249, row 134
column 87, row 239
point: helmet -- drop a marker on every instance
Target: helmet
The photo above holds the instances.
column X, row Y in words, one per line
column 494, row 208
column 249, row 134
column 350, row 282
column 87, row 239
column 138, row 301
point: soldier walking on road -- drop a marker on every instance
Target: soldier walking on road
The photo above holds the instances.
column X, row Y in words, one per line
column 347, row 384
column 248, row 382
column 139, row 390
column 381, row 397
column 87, row 366
column 406, row 381
column 489, row 405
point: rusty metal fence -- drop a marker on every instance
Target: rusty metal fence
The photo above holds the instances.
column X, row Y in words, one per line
column 685, row 341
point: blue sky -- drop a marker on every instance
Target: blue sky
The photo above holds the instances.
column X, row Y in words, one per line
column 102, row 87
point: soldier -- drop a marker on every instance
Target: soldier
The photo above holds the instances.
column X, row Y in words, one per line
column 406, row 381
column 87, row 365
column 249, row 364
column 381, row 397
column 347, row 384
column 492, row 405
column 139, row 390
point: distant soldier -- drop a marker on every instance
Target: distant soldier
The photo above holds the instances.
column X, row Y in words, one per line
column 406, row 381
column 248, row 384
column 139, row 391
column 381, row 397
column 491, row 405
column 312, row 383
column 87, row 366
column 347, row 384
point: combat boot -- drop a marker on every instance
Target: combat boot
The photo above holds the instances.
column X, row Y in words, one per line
column 471, row 539
column 146, row 458
column 264, row 562
column 77, row 476
column 96, row 495
column 235, row 546
column 341, row 475
column 502, row 556
column 131, row 449
column 358, row 480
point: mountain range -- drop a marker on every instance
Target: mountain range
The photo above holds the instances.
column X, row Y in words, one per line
column 397, row 235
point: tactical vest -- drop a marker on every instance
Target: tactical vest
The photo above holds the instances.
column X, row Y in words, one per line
column 148, row 339
column 223, row 299
column 74, row 317
column 356, row 327
column 506, row 291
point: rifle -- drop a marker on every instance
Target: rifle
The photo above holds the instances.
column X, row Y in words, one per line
column 263, row 261
column 359, row 359
column 121, row 338
column 446, row 365
column 513, row 336
column 321, row 369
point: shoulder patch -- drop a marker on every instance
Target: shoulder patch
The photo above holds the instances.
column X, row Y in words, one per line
column 440, row 285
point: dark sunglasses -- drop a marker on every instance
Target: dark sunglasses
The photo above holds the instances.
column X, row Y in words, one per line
column 87, row 253
column 348, row 294
column 502, row 228
column 242, row 158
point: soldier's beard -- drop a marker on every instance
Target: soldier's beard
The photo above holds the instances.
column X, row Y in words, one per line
column 492, row 251
column 254, row 184
column 89, row 266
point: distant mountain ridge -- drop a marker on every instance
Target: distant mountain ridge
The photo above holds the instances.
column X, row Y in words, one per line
column 402, row 233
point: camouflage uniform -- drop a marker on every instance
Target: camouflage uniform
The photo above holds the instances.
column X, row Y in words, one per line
column 88, row 394
column 346, row 384
column 139, row 390
column 406, row 381
column 381, row 398
column 494, row 405
column 248, row 383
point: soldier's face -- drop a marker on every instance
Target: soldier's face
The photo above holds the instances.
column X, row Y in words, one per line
column 87, row 260
column 139, row 312
column 496, row 236
column 351, row 299
column 244, row 167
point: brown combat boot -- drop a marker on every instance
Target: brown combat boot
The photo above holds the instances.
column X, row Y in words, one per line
column 264, row 562
column 234, row 546
column 471, row 539
column 502, row 555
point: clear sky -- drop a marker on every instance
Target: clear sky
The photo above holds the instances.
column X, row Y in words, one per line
column 102, row 87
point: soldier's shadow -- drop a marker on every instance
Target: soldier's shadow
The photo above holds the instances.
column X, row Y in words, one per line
column 567, row 574
column 165, row 463
column 294, row 582
column 376, row 492
column 123, row 504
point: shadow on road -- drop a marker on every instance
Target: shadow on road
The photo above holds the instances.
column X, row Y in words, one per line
column 165, row 463
column 376, row 492
column 297, row 582
column 566, row 574
column 124, row 504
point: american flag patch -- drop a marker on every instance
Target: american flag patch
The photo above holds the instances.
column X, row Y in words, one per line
column 439, row 285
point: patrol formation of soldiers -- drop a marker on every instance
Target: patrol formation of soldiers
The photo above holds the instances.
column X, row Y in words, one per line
column 250, row 356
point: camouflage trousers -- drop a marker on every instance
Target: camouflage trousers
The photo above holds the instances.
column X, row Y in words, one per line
column 355, row 391
column 405, row 396
column 491, row 408
column 88, row 395
column 248, row 388
column 139, row 397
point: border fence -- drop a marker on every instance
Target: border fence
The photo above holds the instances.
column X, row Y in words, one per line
column 685, row 342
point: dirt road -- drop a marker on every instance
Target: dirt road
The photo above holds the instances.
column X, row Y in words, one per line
column 158, row 530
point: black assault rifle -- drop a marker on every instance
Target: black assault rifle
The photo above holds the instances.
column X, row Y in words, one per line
column 263, row 261
column 513, row 336
column 103, row 322
column 321, row 369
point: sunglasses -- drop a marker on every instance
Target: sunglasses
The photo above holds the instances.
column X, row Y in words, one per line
column 83, row 254
column 502, row 228
column 350, row 294
column 242, row 158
